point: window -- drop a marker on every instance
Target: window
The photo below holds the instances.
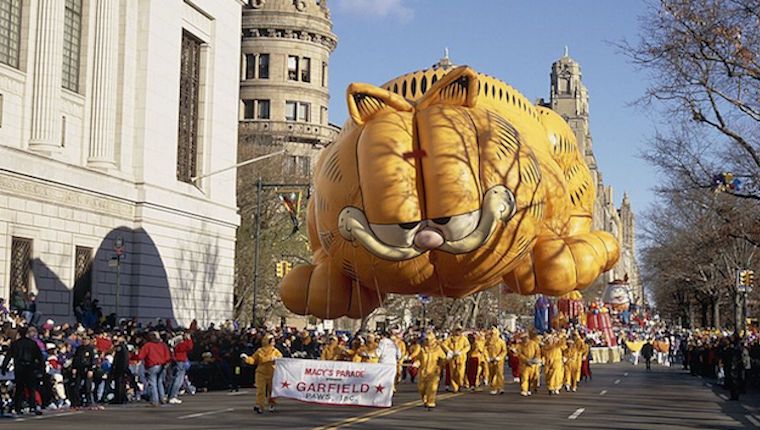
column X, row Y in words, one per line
column 292, row 68
column 82, row 276
column 249, row 109
column 263, row 66
column 250, row 66
column 297, row 111
column 189, row 89
column 21, row 266
column 306, row 69
column 290, row 111
column 303, row 112
column 263, row 109
column 324, row 74
column 10, row 32
column 72, row 38
column 297, row 165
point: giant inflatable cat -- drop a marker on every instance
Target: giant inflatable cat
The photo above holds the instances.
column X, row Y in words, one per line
column 446, row 183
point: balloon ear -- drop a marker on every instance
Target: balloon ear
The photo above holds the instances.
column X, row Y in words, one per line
column 365, row 101
column 458, row 87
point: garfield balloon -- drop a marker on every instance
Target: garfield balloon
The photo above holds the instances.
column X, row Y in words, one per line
column 446, row 184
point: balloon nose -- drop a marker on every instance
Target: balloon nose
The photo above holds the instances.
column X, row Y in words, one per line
column 428, row 239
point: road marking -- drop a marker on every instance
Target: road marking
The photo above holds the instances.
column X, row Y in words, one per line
column 752, row 419
column 53, row 415
column 708, row 385
column 603, row 392
column 576, row 414
column 201, row 414
column 723, row 396
column 381, row 413
column 617, row 381
column 625, row 374
column 239, row 393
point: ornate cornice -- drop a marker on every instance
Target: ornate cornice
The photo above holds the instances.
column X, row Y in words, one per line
column 327, row 40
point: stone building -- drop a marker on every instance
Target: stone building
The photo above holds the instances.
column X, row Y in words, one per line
column 569, row 97
column 109, row 111
column 285, row 53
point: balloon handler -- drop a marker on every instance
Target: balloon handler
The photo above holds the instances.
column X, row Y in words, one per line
column 432, row 359
column 496, row 350
column 264, row 359
column 529, row 353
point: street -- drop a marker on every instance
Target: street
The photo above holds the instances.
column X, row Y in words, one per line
column 620, row 396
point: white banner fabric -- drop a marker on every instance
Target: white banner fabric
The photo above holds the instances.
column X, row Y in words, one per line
column 334, row 382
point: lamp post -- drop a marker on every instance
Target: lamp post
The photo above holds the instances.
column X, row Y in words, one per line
column 118, row 248
column 260, row 187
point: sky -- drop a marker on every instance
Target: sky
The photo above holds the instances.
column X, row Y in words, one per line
column 516, row 41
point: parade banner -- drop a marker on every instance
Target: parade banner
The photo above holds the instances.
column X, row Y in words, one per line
column 334, row 382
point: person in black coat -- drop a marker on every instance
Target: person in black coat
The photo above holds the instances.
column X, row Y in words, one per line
column 82, row 366
column 119, row 370
column 28, row 366
column 647, row 351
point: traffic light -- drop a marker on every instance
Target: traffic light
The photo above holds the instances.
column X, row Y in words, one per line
column 283, row 267
column 747, row 278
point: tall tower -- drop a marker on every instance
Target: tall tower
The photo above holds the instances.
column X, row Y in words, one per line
column 286, row 47
column 285, row 54
column 569, row 98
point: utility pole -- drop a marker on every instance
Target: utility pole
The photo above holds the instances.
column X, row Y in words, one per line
column 260, row 187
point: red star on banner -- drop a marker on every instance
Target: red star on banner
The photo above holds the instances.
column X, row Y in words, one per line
column 285, row 384
column 379, row 388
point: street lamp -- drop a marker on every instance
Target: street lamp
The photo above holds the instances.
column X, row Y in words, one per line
column 118, row 247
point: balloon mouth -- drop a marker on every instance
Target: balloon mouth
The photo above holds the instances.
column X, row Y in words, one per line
column 498, row 206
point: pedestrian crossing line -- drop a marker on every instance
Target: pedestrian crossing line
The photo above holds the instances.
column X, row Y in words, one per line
column 603, row 392
column 723, row 396
column 625, row 374
column 576, row 414
column 708, row 385
column 202, row 414
column 238, row 393
column 381, row 413
column 617, row 381
column 753, row 420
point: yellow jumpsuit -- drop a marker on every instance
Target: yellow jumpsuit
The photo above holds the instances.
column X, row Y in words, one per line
column 554, row 367
column 401, row 346
column 368, row 353
column 571, row 366
column 497, row 353
column 528, row 350
column 478, row 352
column 580, row 346
column 414, row 356
column 432, row 358
column 459, row 347
column 332, row 351
column 263, row 359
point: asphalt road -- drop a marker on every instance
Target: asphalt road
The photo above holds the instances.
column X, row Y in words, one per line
column 620, row 396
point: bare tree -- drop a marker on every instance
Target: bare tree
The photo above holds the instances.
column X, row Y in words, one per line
column 703, row 57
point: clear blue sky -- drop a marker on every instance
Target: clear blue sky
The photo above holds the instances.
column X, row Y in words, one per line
column 516, row 41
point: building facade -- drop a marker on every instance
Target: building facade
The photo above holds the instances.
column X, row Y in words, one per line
column 110, row 110
column 569, row 98
column 284, row 94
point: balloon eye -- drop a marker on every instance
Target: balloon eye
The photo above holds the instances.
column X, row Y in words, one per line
column 409, row 225
column 442, row 221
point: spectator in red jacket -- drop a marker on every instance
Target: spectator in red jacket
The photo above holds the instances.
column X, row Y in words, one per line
column 155, row 355
column 181, row 364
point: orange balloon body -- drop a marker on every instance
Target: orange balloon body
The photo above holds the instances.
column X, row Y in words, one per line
column 446, row 184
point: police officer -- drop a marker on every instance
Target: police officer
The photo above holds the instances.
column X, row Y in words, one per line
column 28, row 368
